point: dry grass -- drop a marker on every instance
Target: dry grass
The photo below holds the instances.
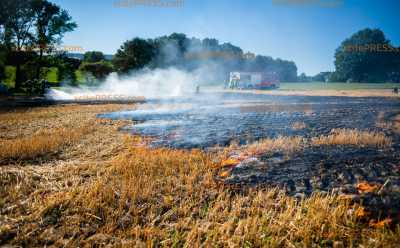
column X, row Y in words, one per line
column 287, row 144
column 234, row 154
column 42, row 143
column 37, row 133
column 109, row 189
column 353, row 137
column 160, row 197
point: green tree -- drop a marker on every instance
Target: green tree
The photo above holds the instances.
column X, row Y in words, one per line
column 210, row 44
column 66, row 68
column 322, row 77
column 99, row 70
column 17, row 21
column 285, row 71
column 169, row 50
column 133, row 54
column 303, row 78
column 51, row 24
column 3, row 54
column 394, row 75
column 179, row 51
column 366, row 56
column 24, row 62
column 93, row 56
column 2, row 70
column 29, row 26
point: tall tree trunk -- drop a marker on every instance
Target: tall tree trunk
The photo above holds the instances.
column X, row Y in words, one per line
column 39, row 65
column 18, row 78
column 18, row 62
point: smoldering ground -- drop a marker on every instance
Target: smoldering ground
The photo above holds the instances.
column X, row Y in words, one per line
column 209, row 119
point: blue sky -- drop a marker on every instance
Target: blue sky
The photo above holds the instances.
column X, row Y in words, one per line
column 307, row 33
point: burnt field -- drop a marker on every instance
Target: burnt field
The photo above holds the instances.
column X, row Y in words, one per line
column 204, row 121
column 212, row 122
column 70, row 178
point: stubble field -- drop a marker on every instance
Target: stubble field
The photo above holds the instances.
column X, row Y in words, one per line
column 71, row 179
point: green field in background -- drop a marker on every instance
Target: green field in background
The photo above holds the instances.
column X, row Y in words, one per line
column 336, row 86
column 80, row 77
column 52, row 76
column 10, row 76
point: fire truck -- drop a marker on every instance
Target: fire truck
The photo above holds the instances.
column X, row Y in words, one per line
column 253, row 80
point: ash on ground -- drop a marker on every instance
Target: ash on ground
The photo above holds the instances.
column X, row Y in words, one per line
column 207, row 120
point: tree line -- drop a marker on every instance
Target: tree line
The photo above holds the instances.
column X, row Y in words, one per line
column 29, row 30
column 192, row 53
column 366, row 57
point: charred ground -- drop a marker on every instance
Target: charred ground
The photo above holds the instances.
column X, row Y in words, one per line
column 216, row 121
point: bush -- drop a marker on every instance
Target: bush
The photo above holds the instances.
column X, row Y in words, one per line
column 35, row 87
column 99, row 70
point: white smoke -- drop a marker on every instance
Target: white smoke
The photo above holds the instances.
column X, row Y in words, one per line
column 157, row 83
column 151, row 83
